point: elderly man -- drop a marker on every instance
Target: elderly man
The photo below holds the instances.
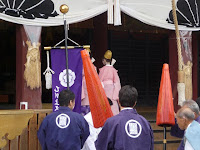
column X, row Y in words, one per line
column 185, row 119
column 128, row 130
column 176, row 131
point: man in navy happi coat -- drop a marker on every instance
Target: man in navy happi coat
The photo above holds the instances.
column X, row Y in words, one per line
column 176, row 131
column 128, row 130
column 64, row 129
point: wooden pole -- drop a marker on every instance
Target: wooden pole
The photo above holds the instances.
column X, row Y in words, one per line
column 165, row 139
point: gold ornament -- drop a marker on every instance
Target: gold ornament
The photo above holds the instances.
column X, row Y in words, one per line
column 89, row 51
column 64, row 8
column 108, row 54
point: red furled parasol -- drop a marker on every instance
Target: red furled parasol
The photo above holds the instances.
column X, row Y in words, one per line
column 99, row 104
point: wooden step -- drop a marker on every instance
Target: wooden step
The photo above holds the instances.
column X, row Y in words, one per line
column 160, row 135
column 172, row 142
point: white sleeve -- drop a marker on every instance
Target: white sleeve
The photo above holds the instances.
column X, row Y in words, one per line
column 89, row 143
column 188, row 146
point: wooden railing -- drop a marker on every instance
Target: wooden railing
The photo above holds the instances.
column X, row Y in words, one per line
column 27, row 139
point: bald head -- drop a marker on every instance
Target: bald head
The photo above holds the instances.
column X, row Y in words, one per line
column 184, row 117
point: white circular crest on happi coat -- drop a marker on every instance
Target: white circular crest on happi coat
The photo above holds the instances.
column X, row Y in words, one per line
column 63, row 78
column 62, row 121
column 136, row 128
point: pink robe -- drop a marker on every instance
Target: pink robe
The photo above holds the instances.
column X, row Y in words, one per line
column 109, row 77
column 84, row 94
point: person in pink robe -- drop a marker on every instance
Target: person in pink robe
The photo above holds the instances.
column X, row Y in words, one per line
column 110, row 80
column 85, row 108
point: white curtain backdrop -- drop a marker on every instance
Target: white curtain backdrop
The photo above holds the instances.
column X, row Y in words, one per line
column 79, row 10
column 151, row 12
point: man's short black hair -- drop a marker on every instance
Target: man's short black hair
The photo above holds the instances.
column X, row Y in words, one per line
column 128, row 96
column 65, row 96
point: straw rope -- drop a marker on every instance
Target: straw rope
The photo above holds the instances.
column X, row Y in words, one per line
column 32, row 72
column 181, row 84
column 180, row 68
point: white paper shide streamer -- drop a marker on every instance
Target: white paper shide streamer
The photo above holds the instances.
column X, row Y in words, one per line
column 48, row 74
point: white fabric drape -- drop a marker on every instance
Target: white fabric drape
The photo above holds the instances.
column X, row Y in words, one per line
column 110, row 12
column 117, row 13
column 79, row 10
column 151, row 12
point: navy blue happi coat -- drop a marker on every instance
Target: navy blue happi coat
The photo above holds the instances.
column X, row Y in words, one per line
column 63, row 130
column 126, row 131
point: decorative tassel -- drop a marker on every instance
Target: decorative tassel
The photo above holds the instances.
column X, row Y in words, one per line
column 188, row 80
column 48, row 74
column 32, row 72
column 181, row 93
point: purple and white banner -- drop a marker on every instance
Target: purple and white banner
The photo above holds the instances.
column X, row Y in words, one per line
column 59, row 80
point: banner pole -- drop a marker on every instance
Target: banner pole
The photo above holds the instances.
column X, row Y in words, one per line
column 165, row 139
column 64, row 9
column 47, row 48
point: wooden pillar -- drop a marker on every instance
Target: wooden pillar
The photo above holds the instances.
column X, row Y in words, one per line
column 195, row 65
column 24, row 93
column 173, row 67
column 100, row 38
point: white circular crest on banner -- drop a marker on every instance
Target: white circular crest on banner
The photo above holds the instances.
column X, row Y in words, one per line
column 133, row 128
column 62, row 121
column 63, row 77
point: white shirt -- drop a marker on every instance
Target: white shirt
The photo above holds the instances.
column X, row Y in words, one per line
column 89, row 143
column 188, row 146
column 125, row 108
column 187, row 143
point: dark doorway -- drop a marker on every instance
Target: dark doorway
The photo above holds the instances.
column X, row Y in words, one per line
column 140, row 57
column 7, row 65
